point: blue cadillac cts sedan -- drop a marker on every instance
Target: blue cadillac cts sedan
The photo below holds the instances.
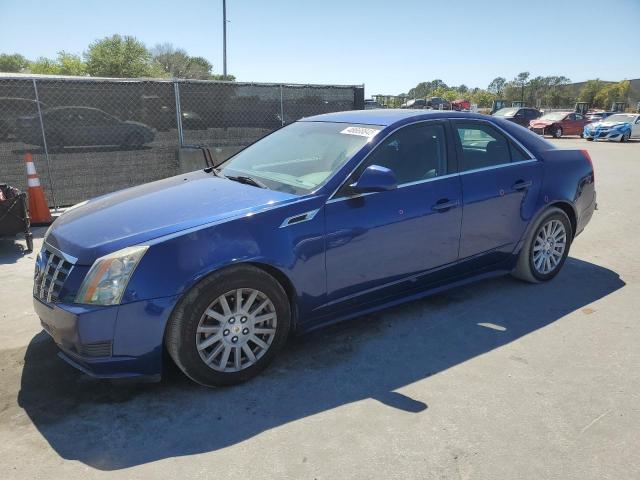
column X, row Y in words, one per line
column 328, row 218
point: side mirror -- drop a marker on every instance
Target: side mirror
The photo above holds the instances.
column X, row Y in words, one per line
column 375, row 179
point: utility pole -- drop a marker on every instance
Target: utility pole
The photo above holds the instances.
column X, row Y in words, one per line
column 224, row 37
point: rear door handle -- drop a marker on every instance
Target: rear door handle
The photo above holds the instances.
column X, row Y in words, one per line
column 521, row 185
column 444, row 204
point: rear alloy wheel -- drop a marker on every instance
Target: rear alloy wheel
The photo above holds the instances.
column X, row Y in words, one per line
column 557, row 132
column 229, row 327
column 546, row 249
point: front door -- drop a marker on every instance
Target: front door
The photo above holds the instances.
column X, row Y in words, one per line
column 377, row 240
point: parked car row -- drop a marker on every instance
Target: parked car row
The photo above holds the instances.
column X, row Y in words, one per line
column 592, row 126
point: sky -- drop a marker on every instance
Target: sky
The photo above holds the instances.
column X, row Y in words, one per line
column 389, row 46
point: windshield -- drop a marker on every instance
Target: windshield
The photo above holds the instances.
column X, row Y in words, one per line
column 506, row 112
column 554, row 116
column 300, row 157
column 621, row 117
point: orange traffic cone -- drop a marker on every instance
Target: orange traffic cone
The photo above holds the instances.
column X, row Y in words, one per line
column 38, row 209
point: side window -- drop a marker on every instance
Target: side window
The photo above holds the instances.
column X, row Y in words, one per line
column 571, row 116
column 578, row 116
column 483, row 146
column 413, row 153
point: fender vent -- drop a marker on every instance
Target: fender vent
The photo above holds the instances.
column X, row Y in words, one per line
column 301, row 217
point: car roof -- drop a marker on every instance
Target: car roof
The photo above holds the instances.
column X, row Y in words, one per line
column 386, row 117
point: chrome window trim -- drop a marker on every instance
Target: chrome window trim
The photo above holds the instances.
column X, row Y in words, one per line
column 403, row 185
column 494, row 167
column 532, row 158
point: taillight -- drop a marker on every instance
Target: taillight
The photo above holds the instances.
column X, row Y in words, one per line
column 588, row 157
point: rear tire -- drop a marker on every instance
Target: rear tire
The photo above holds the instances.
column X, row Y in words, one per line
column 218, row 335
column 546, row 249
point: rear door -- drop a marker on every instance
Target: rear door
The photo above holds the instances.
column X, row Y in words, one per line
column 500, row 185
column 571, row 124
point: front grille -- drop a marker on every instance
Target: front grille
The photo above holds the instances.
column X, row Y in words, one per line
column 98, row 349
column 52, row 270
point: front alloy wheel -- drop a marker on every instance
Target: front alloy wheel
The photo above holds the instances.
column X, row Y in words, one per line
column 236, row 330
column 557, row 132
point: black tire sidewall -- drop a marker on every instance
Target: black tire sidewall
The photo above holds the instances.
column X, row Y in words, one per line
column 557, row 132
column 192, row 307
column 555, row 214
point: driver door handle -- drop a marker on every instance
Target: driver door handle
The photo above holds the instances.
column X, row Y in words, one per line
column 521, row 185
column 444, row 204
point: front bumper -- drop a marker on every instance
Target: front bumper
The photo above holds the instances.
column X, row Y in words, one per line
column 603, row 135
column 109, row 342
column 539, row 130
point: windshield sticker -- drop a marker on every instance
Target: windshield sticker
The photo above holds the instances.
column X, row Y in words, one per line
column 361, row 131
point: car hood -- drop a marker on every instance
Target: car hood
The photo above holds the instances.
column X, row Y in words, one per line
column 152, row 210
column 542, row 122
column 606, row 124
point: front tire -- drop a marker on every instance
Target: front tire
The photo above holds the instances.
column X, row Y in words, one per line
column 546, row 249
column 625, row 137
column 557, row 132
column 229, row 327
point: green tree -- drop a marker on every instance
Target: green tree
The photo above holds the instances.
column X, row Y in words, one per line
column 482, row 98
column 118, row 56
column 590, row 90
column 14, row 63
column 199, row 68
column 44, row 66
column 70, row 64
column 173, row 61
column 521, row 81
column 497, row 86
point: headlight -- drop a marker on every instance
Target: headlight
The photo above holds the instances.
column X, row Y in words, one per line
column 109, row 275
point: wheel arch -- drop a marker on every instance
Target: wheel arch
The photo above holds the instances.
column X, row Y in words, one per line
column 567, row 208
column 278, row 275
column 563, row 205
column 285, row 282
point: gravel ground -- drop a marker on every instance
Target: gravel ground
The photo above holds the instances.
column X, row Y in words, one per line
column 497, row 380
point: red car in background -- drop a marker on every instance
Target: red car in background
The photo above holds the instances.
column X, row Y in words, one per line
column 460, row 105
column 558, row 124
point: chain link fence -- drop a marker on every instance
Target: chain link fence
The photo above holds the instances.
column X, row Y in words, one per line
column 93, row 136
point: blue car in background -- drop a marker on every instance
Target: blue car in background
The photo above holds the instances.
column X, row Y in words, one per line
column 619, row 127
column 328, row 218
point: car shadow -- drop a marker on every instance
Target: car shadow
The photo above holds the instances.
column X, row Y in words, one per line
column 111, row 427
column 14, row 248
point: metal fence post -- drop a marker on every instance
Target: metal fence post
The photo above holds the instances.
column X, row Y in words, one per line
column 44, row 145
column 281, row 107
column 176, row 90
